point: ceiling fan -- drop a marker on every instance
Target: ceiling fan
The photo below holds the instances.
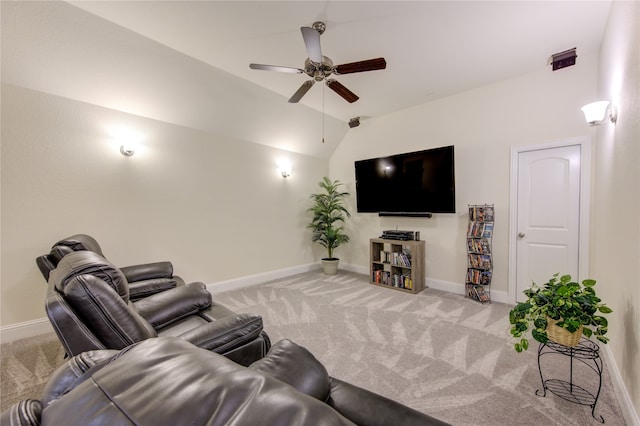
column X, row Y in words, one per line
column 320, row 67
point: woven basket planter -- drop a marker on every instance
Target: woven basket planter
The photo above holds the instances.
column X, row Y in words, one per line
column 562, row 335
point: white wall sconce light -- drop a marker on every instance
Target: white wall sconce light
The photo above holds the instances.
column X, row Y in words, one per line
column 597, row 112
column 126, row 138
column 285, row 169
column 127, row 150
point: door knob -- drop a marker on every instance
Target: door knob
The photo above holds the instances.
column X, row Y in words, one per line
column 521, row 235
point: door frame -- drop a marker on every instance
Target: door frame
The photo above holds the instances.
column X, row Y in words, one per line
column 585, row 197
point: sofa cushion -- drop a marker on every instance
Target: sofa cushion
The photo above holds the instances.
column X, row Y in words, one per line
column 297, row 367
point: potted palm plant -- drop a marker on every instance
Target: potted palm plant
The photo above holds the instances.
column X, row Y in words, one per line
column 562, row 311
column 329, row 215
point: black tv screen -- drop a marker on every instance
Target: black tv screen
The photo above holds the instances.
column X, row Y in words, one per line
column 408, row 184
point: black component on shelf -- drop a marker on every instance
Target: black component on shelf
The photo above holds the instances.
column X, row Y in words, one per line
column 397, row 235
column 586, row 352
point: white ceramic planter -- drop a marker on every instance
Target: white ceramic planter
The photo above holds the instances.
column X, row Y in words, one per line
column 330, row 266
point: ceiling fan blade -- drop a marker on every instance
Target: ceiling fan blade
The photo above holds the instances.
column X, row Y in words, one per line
column 360, row 66
column 301, row 91
column 337, row 87
column 275, row 68
column 312, row 42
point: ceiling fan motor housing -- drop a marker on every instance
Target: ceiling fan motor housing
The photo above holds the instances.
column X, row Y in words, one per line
column 319, row 26
column 318, row 71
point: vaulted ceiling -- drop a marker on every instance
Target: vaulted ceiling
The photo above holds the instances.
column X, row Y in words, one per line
column 433, row 49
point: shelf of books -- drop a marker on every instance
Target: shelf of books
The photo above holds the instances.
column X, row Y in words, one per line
column 397, row 264
column 479, row 257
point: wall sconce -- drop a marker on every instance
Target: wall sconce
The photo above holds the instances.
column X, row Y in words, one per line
column 127, row 150
column 597, row 112
column 285, row 170
column 126, row 138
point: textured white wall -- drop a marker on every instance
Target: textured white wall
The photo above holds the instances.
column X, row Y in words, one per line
column 216, row 207
column 616, row 220
column 483, row 124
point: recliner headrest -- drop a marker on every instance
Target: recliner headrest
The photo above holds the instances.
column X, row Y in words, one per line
column 58, row 252
column 88, row 262
column 80, row 242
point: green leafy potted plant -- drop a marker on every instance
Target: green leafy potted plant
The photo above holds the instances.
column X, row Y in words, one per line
column 568, row 306
column 329, row 215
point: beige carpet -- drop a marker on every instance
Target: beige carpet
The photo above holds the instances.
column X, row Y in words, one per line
column 439, row 353
column 25, row 366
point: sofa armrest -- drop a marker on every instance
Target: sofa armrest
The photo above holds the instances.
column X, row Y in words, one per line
column 296, row 366
column 367, row 408
column 225, row 334
column 24, row 413
column 167, row 307
column 145, row 288
column 45, row 265
column 71, row 373
column 148, row 271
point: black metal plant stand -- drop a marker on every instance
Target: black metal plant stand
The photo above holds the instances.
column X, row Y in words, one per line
column 588, row 353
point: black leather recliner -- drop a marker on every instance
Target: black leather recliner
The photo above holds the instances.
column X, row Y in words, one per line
column 88, row 305
column 144, row 279
column 166, row 381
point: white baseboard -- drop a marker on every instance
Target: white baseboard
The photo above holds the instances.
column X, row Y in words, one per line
column 25, row 329
column 36, row 327
column 250, row 280
column 629, row 412
column 448, row 286
column 457, row 288
column 358, row 269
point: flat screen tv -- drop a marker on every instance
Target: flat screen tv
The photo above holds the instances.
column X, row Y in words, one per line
column 411, row 184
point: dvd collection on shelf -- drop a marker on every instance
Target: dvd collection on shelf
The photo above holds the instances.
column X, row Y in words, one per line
column 479, row 257
column 480, row 294
column 393, row 280
column 397, row 263
column 396, row 258
column 402, row 259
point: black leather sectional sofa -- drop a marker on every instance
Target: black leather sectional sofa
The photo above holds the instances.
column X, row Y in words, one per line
column 168, row 381
column 173, row 356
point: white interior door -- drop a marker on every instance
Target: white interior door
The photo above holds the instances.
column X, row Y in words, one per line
column 548, row 215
